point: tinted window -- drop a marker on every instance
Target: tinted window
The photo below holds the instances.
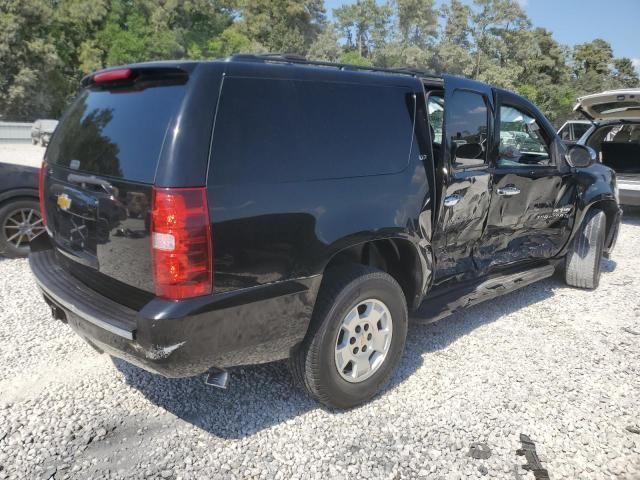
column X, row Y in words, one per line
column 117, row 134
column 521, row 140
column 467, row 129
column 270, row 131
column 579, row 129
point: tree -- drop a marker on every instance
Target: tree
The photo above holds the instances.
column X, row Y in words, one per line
column 414, row 33
column 592, row 66
column 545, row 78
column 453, row 53
column 229, row 42
column 29, row 62
column 625, row 74
column 326, row 47
column 283, row 26
column 501, row 34
column 364, row 26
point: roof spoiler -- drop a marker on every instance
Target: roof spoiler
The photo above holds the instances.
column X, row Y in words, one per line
column 139, row 77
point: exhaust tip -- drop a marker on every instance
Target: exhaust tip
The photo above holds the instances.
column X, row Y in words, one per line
column 217, row 378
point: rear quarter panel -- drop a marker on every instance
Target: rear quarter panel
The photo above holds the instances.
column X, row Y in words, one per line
column 270, row 233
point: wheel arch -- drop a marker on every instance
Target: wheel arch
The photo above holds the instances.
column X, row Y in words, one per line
column 399, row 257
column 610, row 209
column 18, row 194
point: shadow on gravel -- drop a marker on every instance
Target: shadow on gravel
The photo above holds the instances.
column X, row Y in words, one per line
column 258, row 397
column 263, row 396
column 631, row 215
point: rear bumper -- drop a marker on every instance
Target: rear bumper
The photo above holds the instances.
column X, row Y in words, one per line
column 186, row 338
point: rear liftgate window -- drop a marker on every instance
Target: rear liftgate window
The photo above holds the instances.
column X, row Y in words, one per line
column 273, row 131
column 116, row 133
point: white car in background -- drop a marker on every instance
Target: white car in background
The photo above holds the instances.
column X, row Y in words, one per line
column 42, row 130
column 573, row 130
column 614, row 134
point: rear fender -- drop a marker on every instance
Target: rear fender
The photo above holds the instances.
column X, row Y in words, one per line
column 400, row 256
column 27, row 193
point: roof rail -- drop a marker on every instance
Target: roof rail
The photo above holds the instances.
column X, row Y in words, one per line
column 289, row 58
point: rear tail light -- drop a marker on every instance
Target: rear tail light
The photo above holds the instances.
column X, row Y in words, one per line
column 41, row 193
column 181, row 243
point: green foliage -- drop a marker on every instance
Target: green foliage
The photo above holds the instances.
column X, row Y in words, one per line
column 326, row 47
column 229, row 42
column 354, row 58
column 283, row 26
column 46, row 46
column 624, row 73
column 363, row 26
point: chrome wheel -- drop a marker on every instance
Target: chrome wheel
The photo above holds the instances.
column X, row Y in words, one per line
column 21, row 226
column 363, row 340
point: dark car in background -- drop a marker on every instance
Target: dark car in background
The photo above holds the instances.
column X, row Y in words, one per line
column 615, row 136
column 20, row 220
column 42, row 130
column 206, row 215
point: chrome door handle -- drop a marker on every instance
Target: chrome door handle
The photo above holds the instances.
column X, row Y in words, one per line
column 509, row 191
column 451, row 200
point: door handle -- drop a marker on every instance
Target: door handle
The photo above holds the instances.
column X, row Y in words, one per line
column 508, row 191
column 451, row 200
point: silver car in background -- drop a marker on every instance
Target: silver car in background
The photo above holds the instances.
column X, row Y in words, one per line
column 42, row 130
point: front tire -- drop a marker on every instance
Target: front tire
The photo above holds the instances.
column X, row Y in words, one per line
column 355, row 339
column 582, row 263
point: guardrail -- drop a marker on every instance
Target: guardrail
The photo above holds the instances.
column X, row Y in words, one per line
column 15, row 132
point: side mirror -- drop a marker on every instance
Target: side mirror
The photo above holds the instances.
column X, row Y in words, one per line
column 581, row 156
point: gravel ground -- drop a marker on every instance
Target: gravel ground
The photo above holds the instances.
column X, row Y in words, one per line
column 558, row 364
column 21, row 154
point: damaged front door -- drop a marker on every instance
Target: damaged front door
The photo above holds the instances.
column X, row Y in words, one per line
column 533, row 199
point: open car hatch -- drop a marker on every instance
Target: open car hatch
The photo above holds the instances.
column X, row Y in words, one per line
column 610, row 105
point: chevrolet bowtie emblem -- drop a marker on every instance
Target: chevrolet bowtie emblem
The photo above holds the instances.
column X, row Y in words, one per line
column 64, row 202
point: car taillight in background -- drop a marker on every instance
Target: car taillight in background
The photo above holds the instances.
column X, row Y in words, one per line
column 181, row 243
column 41, row 193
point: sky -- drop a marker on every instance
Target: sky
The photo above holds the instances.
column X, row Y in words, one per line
column 579, row 21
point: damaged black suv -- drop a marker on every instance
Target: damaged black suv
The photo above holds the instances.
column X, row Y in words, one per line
column 204, row 215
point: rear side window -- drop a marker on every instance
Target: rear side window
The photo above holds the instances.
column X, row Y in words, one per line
column 116, row 134
column 272, row 131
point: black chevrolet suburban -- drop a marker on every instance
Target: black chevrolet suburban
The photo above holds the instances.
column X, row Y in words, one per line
column 205, row 215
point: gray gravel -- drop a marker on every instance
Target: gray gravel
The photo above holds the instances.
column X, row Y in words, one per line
column 557, row 364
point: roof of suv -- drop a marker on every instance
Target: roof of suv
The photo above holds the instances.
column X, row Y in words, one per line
column 276, row 59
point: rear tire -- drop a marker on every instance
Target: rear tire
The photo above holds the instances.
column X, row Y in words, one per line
column 582, row 263
column 360, row 299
